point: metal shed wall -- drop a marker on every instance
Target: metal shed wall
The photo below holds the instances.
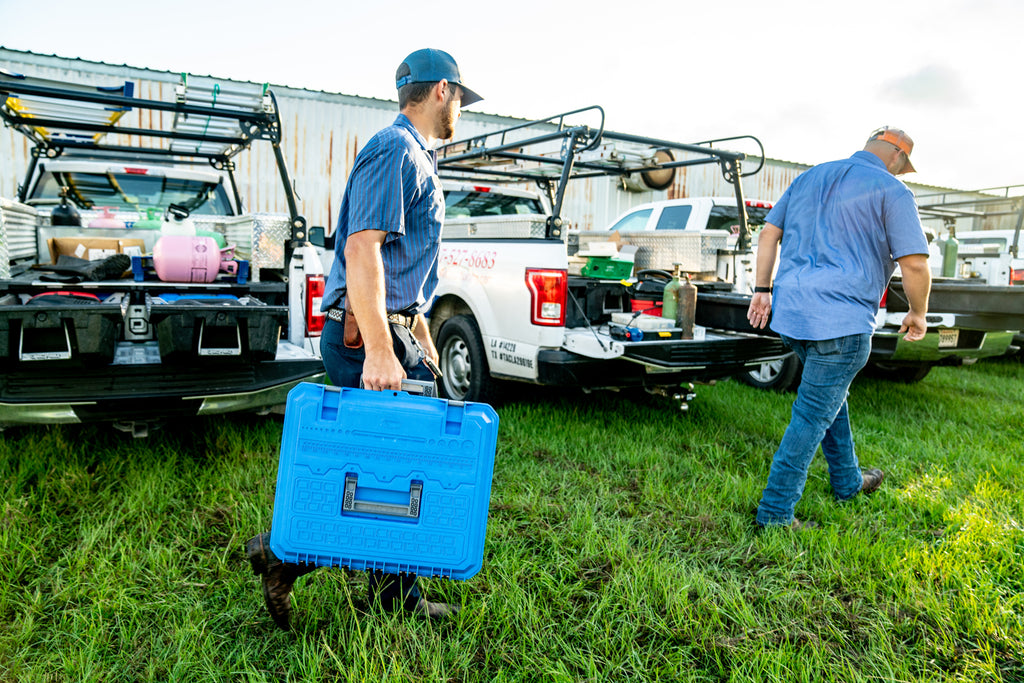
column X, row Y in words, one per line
column 322, row 133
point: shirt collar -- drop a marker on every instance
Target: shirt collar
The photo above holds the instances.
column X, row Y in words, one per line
column 867, row 157
column 404, row 122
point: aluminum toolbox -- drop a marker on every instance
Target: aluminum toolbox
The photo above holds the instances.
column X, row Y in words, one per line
column 384, row 480
column 526, row 226
column 17, row 235
column 695, row 250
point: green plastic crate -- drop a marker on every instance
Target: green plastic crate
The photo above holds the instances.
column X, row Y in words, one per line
column 607, row 268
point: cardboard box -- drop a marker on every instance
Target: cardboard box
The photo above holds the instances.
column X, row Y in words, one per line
column 94, row 248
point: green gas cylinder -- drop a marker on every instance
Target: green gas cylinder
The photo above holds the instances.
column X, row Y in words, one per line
column 670, row 297
column 152, row 221
column 950, row 249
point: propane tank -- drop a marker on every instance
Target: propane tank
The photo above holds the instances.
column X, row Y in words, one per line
column 686, row 311
column 177, row 222
column 64, row 213
column 152, row 221
column 950, row 250
column 669, row 298
column 107, row 220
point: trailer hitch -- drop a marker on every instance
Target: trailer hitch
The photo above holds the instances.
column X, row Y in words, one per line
column 684, row 394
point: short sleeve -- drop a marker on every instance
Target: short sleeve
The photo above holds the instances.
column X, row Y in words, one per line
column 903, row 224
column 777, row 216
column 375, row 191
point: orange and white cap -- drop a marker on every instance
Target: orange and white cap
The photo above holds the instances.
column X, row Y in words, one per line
column 899, row 138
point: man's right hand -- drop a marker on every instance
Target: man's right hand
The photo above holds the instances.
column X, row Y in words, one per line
column 382, row 371
column 760, row 310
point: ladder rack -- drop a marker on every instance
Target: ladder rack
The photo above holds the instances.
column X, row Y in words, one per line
column 552, row 151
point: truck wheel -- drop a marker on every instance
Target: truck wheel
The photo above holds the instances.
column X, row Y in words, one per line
column 464, row 370
column 905, row 374
column 777, row 375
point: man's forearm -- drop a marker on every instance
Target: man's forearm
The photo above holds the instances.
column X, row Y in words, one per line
column 767, row 251
column 917, row 281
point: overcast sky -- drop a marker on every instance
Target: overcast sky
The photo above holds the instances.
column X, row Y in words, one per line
column 811, row 79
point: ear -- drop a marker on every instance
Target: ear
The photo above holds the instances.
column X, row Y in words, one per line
column 440, row 88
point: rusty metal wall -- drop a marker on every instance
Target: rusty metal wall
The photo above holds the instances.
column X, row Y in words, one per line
column 322, row 132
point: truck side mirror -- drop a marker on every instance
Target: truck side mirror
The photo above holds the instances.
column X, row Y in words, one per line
column 319, row 238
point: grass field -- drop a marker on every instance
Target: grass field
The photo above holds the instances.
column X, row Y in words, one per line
column 620, row 547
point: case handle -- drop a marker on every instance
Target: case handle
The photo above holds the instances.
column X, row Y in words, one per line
column 350, row 504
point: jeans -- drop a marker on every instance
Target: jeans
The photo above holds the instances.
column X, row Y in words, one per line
column 345, row 367
column 820, row 416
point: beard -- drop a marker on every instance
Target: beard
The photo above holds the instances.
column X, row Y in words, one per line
column 446, row 120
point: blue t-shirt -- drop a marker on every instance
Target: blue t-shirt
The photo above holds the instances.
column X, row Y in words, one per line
column 843, row 225
column 393, row 187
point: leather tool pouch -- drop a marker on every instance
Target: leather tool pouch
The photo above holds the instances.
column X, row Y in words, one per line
column 353, row 339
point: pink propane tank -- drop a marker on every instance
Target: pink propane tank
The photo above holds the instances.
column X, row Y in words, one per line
column 107, row 220
column 189, row 258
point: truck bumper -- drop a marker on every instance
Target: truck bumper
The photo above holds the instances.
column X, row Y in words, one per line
column 657, row 363
column 939, row 346
column 144, row 393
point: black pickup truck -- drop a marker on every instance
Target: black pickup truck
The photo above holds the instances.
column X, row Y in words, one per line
column 90, row 330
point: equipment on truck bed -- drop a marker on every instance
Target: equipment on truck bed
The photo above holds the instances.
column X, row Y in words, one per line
column 552, row 151
column 211, row 122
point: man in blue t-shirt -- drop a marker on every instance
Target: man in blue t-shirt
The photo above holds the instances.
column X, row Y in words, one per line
column 841, row 226
column 384, row 272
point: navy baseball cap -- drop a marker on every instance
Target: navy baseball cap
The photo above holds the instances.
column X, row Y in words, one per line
column 430, row 66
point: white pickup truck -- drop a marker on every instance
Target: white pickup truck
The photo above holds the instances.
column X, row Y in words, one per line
column 80, row 342
column 968, row 318
column 511, row 306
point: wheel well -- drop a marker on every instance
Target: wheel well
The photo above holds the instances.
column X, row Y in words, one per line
column 444, row 308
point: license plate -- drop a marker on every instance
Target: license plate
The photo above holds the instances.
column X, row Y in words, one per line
column 948, row 338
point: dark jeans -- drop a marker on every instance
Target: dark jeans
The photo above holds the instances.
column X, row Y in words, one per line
column 345, row 366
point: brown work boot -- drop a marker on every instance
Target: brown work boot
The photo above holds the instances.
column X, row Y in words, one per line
column 435, row 610
column 872, row 480
column 277, row 578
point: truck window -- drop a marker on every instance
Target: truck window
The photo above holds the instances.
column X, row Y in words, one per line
column 132, row 192
column 472, row 204
column 634, row 221
column 726, row 217
column 674, row 217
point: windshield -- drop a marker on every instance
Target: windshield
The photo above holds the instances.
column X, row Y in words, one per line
column 134, row 192
column 471, row 204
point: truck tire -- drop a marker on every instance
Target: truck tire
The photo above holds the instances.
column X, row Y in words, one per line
column 905, row 374
column 778, row 375
column 465, row 376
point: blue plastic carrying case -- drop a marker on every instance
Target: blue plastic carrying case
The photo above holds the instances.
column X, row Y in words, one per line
column 384, row 480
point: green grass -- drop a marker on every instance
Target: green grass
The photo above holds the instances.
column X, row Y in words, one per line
column 620, row 547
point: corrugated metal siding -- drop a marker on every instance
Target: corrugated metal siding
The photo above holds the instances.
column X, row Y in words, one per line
column 322, row 132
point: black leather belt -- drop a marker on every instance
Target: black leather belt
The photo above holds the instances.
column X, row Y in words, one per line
column 409, row 321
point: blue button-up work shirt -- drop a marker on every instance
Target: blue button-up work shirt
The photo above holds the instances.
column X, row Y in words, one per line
column 843, row 224
column 393, row 187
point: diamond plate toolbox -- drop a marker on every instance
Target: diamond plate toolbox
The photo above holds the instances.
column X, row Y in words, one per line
column 384, row 480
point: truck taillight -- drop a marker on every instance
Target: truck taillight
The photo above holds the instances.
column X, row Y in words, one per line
column 314, row 294
column 1017, row 276
column 885, row 297
column 548, row 290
